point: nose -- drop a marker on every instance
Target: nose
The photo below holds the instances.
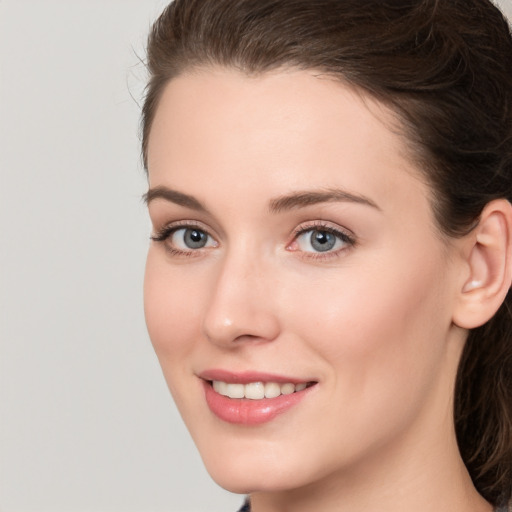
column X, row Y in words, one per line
column 241, row 304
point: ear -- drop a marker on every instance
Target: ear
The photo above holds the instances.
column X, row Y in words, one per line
column 488, row 254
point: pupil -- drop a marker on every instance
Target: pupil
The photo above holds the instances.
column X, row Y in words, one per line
column 322, row 240
column 195, row 236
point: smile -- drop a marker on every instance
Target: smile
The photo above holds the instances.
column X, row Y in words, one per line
column 252, row 398
column 257, row 390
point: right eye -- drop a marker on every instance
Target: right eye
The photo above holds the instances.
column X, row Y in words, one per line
column 185, row 239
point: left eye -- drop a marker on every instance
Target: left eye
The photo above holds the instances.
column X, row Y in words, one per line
column 321, row 240
column 190, row 238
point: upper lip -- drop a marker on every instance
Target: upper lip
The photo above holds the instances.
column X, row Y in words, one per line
column 248, row 376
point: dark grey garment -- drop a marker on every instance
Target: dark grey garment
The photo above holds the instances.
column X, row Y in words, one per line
column 505, row 508
column 246, row 507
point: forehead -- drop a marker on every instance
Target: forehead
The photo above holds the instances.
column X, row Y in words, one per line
column 275, row 132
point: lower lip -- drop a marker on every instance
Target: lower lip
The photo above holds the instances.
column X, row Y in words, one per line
column 243, row 411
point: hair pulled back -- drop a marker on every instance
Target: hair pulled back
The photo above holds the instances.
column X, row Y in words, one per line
column 445, row 68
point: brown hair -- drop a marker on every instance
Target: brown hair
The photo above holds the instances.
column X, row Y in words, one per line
column 445, row 67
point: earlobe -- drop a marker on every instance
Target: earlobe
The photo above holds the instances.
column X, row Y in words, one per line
column 489, row 260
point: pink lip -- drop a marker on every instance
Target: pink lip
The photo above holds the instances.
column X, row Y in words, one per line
column 243, row 411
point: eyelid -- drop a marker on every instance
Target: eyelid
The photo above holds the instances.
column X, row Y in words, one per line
column 322, row 225
column 167, row 230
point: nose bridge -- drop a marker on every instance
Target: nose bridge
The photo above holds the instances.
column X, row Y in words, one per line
column 240, row 301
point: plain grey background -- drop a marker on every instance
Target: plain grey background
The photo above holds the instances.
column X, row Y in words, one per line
column 86, row 421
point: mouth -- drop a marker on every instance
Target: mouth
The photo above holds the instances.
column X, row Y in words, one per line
column 252, row 399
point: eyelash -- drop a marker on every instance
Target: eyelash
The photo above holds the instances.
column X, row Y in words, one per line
column 347, row 238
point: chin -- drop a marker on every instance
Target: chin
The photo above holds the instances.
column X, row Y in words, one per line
column 256, row 470
column 250, row 480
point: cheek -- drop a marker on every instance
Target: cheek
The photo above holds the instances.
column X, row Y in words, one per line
column 170, row 308
column 382, row 333
column 365, row 310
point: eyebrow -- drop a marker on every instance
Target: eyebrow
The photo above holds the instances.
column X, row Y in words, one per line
column 287, row 202
column 308, row 198
column 173, row 196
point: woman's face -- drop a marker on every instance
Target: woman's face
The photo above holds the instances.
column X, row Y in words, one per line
column 295, row 254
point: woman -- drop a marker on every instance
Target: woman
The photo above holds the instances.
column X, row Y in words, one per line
column 327, row 283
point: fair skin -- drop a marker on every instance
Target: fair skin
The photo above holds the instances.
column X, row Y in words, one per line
column 366, row 316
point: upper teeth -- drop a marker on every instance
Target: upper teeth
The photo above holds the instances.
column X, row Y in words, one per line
column 256, row 390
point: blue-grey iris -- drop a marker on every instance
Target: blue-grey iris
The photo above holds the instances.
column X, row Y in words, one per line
column 322, row 241
column 195, row 239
